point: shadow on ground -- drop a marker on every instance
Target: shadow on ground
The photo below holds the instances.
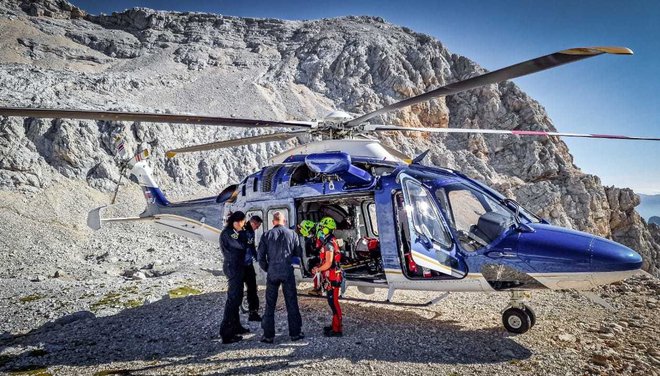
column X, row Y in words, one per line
column 180, row 332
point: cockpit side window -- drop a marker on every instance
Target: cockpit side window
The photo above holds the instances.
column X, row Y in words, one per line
column 477, row 218
column 466, row 209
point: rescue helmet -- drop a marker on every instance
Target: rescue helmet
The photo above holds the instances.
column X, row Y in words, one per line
column 307, row 228
column 327, row 224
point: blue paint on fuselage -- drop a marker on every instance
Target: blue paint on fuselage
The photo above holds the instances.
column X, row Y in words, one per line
column 538, row 248
column 158, row 196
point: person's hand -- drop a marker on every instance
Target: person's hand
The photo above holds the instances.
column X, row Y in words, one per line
column 315, row 270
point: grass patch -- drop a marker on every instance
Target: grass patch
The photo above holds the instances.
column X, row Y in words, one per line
column 133, row 303
column 114, row 300
column 130, row 289
column 31, row 371
column 182, row 292
column 110, row 299
column 31, row 298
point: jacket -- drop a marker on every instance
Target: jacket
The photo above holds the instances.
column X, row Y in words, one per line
column 248, row 237
column 233, row 252
column 276, row 249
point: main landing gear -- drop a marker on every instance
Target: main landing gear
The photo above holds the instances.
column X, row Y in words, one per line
column 518, row 317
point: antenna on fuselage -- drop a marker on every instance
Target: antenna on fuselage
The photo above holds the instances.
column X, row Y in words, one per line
column 418, row 159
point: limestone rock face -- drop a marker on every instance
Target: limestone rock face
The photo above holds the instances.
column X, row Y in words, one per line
column 51, row 8
column 52, row 54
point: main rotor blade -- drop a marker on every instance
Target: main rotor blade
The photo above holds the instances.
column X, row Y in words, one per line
column 236, row 142
column 395, row 128
column 149, row 117
column 521, row 69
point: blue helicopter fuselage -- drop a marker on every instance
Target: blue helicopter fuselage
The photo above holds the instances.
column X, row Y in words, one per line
column 522, row 253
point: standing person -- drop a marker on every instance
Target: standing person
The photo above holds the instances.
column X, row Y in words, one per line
column 249, row 275
column 276, row 249
column 330, row 269
column 233, row 252
column 307, row 231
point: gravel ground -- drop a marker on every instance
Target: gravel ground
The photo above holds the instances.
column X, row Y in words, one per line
column 169, row 325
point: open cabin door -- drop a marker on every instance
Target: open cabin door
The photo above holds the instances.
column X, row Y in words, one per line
column 431, row 244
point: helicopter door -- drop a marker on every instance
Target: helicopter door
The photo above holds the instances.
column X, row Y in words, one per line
column 430, row 242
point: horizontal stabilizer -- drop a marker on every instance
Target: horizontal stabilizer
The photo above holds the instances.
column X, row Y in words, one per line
column 94, row 220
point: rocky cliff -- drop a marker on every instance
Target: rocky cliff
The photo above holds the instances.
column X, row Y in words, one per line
column 53, row 54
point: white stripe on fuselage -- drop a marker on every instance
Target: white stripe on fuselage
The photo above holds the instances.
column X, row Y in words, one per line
column 582, row 281
column 476, row 281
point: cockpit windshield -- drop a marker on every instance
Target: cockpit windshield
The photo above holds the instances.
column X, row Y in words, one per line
column 523, row 213
column 476, row 217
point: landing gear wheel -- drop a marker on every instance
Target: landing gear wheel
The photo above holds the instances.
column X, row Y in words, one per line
column 516, row 320
column 531, row 314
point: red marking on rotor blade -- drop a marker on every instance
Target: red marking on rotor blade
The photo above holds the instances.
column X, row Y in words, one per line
column 530, row 133
column 610, row 136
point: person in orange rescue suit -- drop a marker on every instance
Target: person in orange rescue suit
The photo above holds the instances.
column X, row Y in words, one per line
column 330, row 269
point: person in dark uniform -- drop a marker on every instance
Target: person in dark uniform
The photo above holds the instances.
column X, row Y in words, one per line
column 233, row 248
column 276, row 249
column 249, row 276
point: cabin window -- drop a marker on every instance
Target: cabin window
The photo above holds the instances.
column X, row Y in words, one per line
column 255, row 185
column 373, row 218
column 272, row 211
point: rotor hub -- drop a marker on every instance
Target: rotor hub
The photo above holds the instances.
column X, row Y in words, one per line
column 337, row 117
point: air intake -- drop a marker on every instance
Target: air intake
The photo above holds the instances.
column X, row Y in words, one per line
column 338, row 163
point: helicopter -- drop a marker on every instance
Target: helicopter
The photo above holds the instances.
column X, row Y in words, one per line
column 402, row 225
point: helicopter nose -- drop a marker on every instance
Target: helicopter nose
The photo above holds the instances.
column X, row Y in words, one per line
column 608, row 256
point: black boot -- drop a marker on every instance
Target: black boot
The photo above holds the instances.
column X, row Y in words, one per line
column 254, row 316
column 243, row 330
column 233, row 339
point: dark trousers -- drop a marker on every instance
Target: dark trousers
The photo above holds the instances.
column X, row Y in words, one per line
column 290, row 299
column 333, row 301
column 250, row 280
column 231, row 321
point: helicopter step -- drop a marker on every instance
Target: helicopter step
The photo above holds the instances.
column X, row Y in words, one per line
column 385, row 302
column 518, row 317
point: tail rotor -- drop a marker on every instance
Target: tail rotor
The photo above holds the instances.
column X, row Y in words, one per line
column 126, row 160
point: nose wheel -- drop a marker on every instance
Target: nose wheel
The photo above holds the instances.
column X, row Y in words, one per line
column 518, row 317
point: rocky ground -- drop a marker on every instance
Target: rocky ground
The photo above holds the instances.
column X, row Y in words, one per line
column 169, row 325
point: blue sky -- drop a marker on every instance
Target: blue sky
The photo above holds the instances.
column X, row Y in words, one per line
column 606, row 94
